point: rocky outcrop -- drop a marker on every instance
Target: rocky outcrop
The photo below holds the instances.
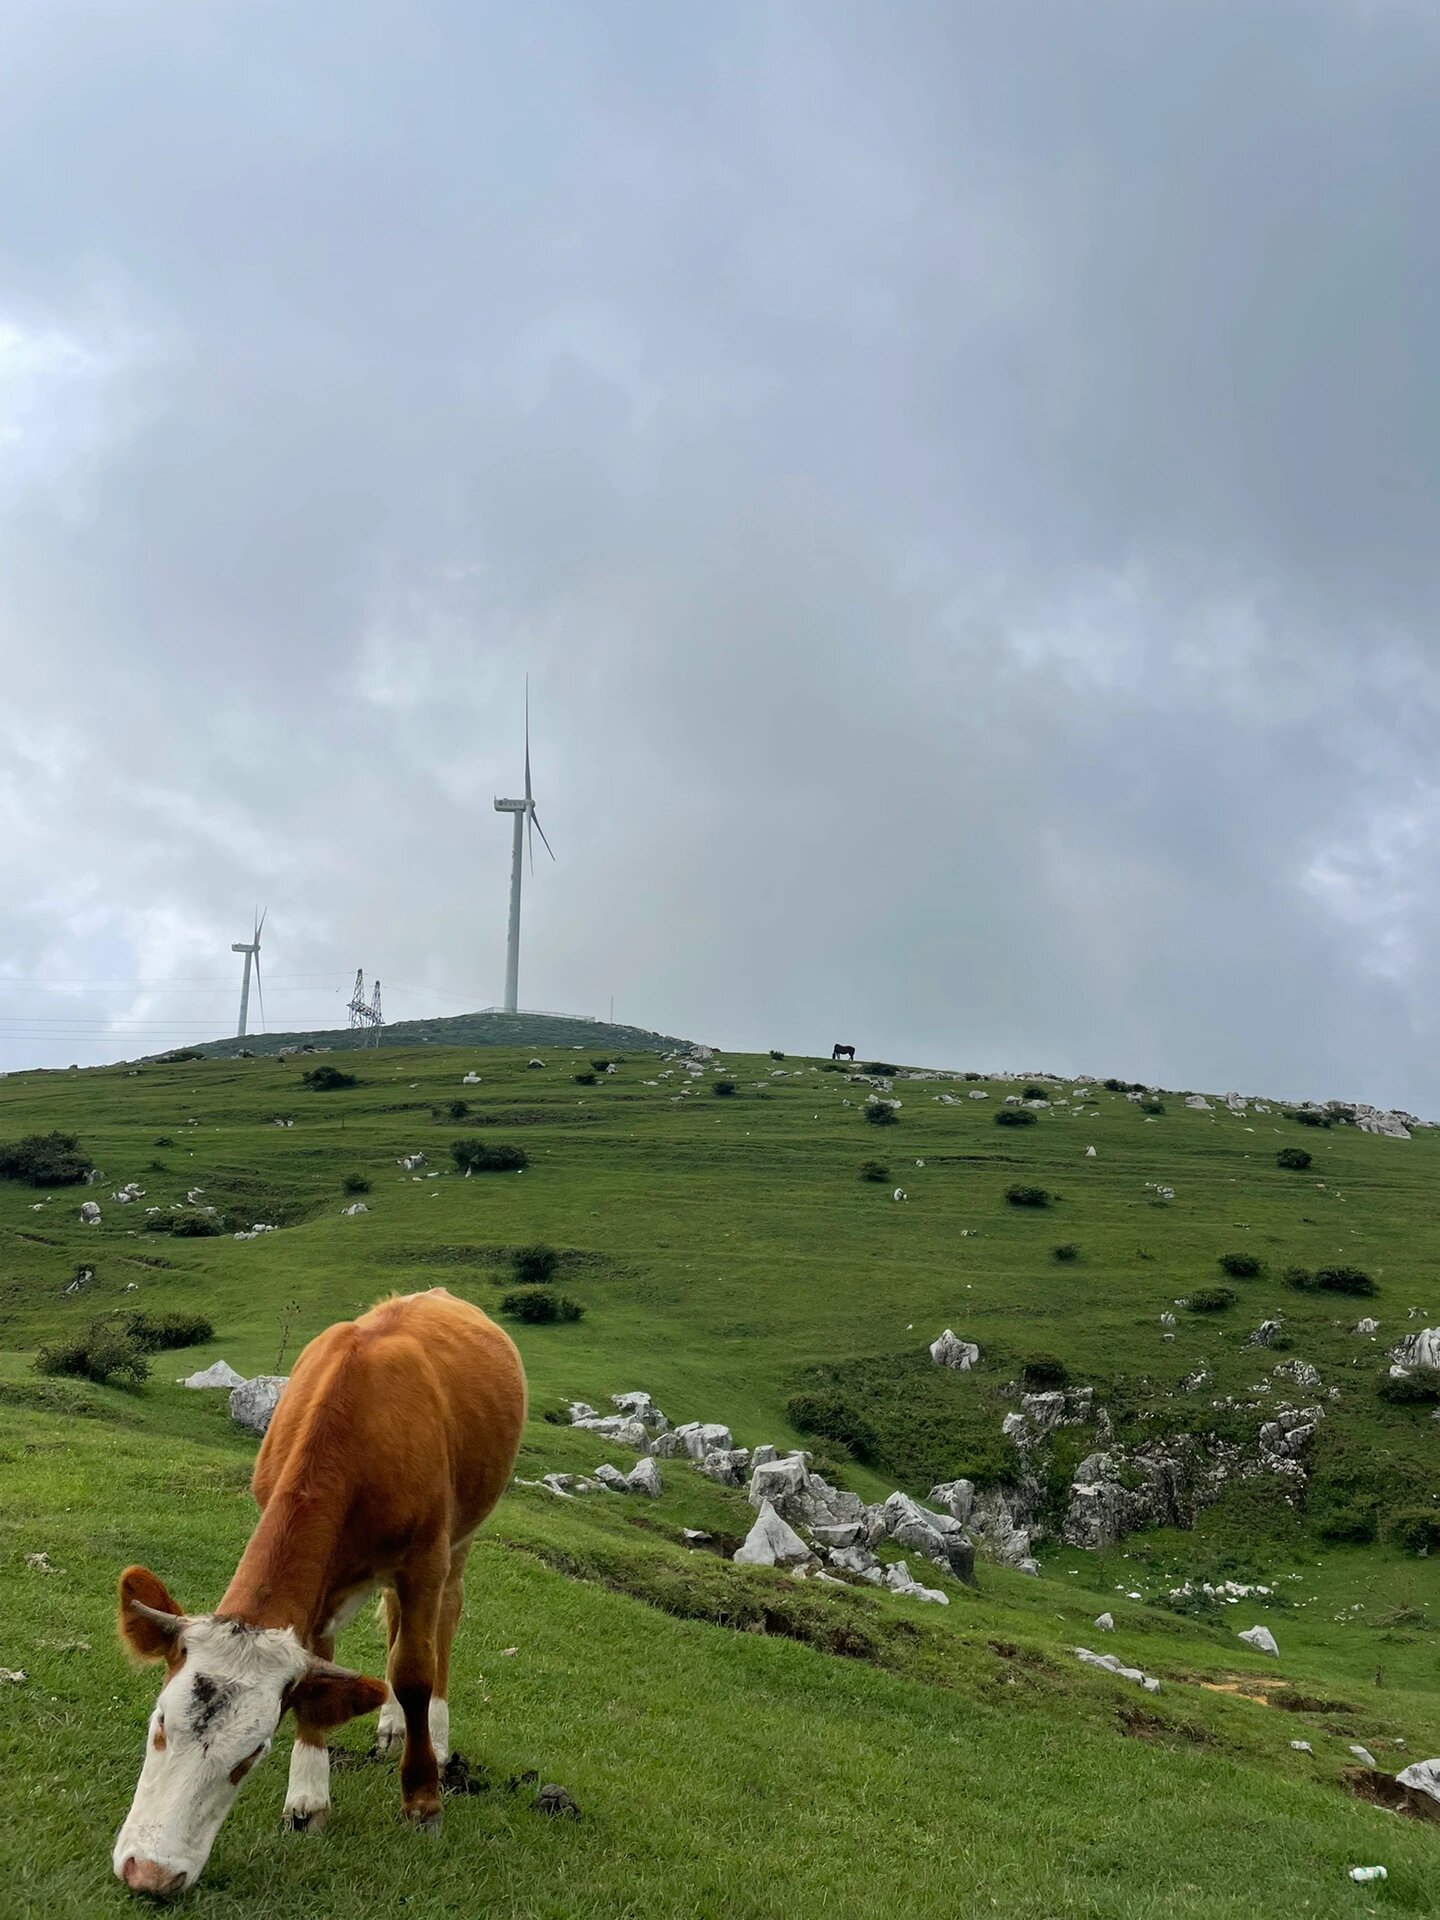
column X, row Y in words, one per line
column 771, row 1543
column 221, row 1374
column 1261, row 1639
column 1422, row 1349
column 999, row 1519
column 938, row 1536
column 953, row 1352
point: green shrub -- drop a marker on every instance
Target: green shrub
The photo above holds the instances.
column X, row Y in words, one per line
column 44, row 1160
column 1293, row 1159
column 881, row 1067
column 328, row 1079
column 1351, row 1280
column 164, row 1140
column 1015, row 1117
column 179, row 1057
column 104, row 1353
column 875, row 1170
column 1043, row 1373
column 585, row 1078
column 974, row 1076
column 1410, row 1389
column 1413, row 1529
column 1035, row 1092
column 880, row 1113
column 539, row 1305
column 832, row 1417
column 1242, row 1266
column 1152, row 1105
column 601, row 1065
column 356, row 1183
column 1348, row 1526
column 193, row 1226
column 1021, row 1196
column 1067, row 1250
column 724, row 1088
column 776, row 1054
column 158, row 1332
column 483, row 1156
column 533, row 1266
column 1211, row 1299
column 1309, row 1117
column 458, row 1110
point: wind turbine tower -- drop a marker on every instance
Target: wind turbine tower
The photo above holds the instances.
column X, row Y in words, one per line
column 251, row 951
column 525, row 821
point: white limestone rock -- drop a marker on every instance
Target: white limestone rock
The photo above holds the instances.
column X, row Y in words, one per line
column 89, row 1214
column 253, row 1402
column 1422, row 1349
column 1423, row 1776
column 953, row 1352
column 644, row 1477
column 770, row 1543
column 1105, row 1622
column 1261, row 1639
column 222, row 1374
column 1108, row 1663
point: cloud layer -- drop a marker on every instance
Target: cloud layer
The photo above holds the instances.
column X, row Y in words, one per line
column 962, row 480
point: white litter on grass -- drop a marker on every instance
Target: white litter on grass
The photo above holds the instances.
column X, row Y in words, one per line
column 1366, row 1874
column 1302, row 1746
column 13, row 1674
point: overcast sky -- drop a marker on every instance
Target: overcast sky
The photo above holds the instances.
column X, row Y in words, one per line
column 962, row 479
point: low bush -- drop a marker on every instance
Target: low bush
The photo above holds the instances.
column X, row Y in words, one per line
column 1410, row 1389
column 1067, row 1250
column 601, row 1065
column 540, row 1305
column 158, row 1332
column 1348, row 1526
column 585, row 1078
column 880, row 1113
column 1211, row 1299
column 458, row 1110
column 881, row 1067
column 1413, row 1529
column 1035, row 1092
column 875, row 1170
column 1309, row 1117
column 1015, row 1117
column 1021, row 1196
column 1242, row 1266
column 164, row 1140
column 104, row 1353
column 179, row 1057
column 44, row 1160
column 776, row 1054
column 533, row 1266
column 483, row 1156
column 356, row 1183
column 1043, row 1373
column 1152, row 1105
column 831, row 1417
column 724, row 1088
column 328, row 1079
column 1293, row 1159
column 974, row 1076
column 184, row 1226
column 1351, row 1280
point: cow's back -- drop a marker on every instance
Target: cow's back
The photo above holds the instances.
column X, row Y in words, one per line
column 416, row 1408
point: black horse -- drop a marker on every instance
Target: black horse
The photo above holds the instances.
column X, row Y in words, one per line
column 837, row 1052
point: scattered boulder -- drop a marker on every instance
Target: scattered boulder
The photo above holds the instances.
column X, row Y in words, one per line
column 938, row 1536
column 253, row 1402
column 953, row 1352
column 1422, row 1349
column 1105, row 1622
column 351, row 1211
column 1364, row 1756
column 1261, row 1639
column 609, row 1477
column 1299, row 1371
column 1366, row 1325
column 220, row 1375
column 770, row 1542
column 1422, row 1776
column 1108, row 1663
column 644, row 1477
column 898, row 1579
column 1266, row 1334
column 89, row 1213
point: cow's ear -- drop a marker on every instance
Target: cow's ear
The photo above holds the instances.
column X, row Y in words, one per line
column 328, row 1696
column 150, row 1622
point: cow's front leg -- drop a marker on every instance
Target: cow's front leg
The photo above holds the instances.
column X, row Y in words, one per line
column 307, row 1798
column 412, row 1680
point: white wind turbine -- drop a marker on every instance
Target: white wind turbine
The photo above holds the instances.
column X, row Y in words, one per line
column 251, row 951
column 525, row 818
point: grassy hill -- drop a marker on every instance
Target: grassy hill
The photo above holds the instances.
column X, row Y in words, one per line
column 488, row 1028
column 739, row 1743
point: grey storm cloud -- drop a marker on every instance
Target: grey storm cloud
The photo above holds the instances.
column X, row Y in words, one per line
column 962, row 480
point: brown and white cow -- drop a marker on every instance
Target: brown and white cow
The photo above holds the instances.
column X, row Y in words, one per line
column 393, row 1441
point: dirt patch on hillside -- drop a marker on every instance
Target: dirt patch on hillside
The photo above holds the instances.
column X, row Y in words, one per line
column 1384, row 1790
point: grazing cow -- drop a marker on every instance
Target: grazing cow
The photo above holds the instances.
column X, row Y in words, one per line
column 837, row 1052
column 393, row 1441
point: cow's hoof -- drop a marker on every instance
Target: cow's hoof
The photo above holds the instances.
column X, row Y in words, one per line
column 425, row 1816
column 306, row 1820
column 388, row 1739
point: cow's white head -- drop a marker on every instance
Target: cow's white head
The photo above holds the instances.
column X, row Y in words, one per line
column 226, row 1687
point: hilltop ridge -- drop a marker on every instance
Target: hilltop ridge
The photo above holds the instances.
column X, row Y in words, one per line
column 487, row 1027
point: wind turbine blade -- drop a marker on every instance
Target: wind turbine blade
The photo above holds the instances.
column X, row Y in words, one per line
column 259, row 990
column 541, row 831
column 530, row 835
column 527, row 736
column 258, row 925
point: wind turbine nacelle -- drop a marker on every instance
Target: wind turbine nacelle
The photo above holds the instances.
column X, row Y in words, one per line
column 237, row 948
column 512, row 806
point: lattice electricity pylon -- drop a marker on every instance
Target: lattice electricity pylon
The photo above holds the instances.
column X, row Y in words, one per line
column 377, row 1018
column 359, row 1007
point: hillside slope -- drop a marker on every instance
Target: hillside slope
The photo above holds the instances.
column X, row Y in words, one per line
column 490, row 1027
column 854, row 1748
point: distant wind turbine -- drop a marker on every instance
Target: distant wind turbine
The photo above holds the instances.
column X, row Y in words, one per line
column 525, row 819
column 251, row 951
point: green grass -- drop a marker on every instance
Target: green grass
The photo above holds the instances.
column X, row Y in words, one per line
column 738, row 1744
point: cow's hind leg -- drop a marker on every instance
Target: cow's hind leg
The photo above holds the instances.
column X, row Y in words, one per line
column 412, row 1678
column 307, row 1797
column 452, row 1598
column 390, row 1730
